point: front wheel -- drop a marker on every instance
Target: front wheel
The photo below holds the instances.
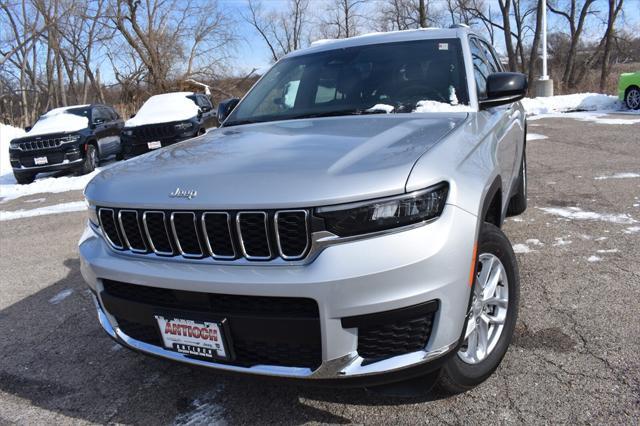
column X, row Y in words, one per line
column 632, row 98
column 90, row 160
column 491, row 317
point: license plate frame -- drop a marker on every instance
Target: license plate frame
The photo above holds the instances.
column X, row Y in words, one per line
column 190, row 346
column 40, row 161
column 154, row 145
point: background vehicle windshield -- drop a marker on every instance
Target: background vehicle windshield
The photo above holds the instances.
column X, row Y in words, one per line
column 358, row 78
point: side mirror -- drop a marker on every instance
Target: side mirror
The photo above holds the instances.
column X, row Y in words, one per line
column 132, row 115
column 98, row 121
column 205, row 109
column 27, row 129
column 225, row 107
column 504, row 88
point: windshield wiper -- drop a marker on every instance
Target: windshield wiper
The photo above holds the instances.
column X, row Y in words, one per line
column 352, row 111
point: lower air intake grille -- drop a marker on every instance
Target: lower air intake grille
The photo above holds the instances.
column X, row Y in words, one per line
column 401, row 337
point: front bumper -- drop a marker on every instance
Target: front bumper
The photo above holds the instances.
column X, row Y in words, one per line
column 58, row 159
column 355, row 278
column 131, row 146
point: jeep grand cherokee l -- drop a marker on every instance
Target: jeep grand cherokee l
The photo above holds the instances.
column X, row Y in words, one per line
column 335, row 228
column 69, row 138
column 166, row 119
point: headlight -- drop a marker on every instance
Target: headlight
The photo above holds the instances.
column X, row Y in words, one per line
column 70, row 138
column 127, row 132
column 183, row 126
column 92, row 213
column 385, row 213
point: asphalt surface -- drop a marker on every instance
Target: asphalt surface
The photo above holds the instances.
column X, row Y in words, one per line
column 574, row 358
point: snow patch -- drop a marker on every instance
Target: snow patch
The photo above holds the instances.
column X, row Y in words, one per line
column 74, row 206
column 435, row 106
column 6, row 134
column 608, row 251
column 534, row 242
column 632, row 230
column 521, row 248
column 10, row 190
column 535, row 137
column 203, row 411
column 165, row 108
column 627, row 175
column 60, row 296
column 576, row 213
column 594, row 258
column 381, row 107
column 561, row 242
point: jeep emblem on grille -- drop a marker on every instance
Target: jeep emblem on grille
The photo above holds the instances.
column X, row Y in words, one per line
column 183, row 193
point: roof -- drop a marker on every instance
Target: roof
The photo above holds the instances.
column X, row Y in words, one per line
column 385, row 37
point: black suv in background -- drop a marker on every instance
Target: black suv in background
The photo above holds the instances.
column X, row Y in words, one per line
column 69, row 138
column 166, row 119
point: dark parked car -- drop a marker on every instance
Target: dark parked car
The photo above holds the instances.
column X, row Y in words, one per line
column 69, row 138
column 166, row 119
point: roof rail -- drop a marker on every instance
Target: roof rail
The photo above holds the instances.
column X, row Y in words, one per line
column 459, row 25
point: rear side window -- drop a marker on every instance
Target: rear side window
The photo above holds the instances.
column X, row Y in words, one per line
column 480, row 68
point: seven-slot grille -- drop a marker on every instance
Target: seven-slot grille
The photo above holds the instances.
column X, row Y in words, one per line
column 41, row 144
column 222, row 235
column 159, row 131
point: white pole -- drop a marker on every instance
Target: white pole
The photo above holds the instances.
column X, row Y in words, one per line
column 545, row 75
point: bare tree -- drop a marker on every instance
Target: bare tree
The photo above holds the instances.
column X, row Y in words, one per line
column 575, row 15
column 283, row 32
column 173, row 38
column 406, row 14
column 614, row 10
column 343, row 19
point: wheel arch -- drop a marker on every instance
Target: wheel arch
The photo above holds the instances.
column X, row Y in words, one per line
column 492, row 204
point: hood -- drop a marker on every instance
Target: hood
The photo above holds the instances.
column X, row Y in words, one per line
column 286, row 164
column 165, row 108
column 58, row 121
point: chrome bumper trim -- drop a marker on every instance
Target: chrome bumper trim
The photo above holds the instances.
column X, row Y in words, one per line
column 64, row 162
column 348, row 366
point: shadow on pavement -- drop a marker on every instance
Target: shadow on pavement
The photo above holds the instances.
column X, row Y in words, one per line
column 55, row 355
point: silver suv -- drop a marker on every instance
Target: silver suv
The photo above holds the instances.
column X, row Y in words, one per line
column 341, row 226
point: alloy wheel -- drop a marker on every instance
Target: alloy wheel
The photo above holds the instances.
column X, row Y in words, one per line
column 633, row 99
column 488, row 311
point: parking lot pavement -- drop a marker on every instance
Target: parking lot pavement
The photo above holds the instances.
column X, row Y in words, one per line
column 574, row 357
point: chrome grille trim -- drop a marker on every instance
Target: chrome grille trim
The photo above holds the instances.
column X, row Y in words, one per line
column 266, row 230
column 206, row 236
column 124, row 233
column 208, row 230
column 41, row 144
column 115, row 225
column 306, row 247
column 177, row 240
column 148, row 235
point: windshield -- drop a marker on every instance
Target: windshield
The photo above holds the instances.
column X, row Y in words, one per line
column 391, row 77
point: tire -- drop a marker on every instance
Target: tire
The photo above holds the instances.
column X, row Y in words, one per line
column 632, row 97
column 24, row 178
column 90, row 160
column 518, row 203
column 461, row 371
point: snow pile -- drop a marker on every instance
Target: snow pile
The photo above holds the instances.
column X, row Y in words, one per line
column 567, row 103
column 435, row 106
column 164, row 108
column 59, row 120
column 6, row 134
